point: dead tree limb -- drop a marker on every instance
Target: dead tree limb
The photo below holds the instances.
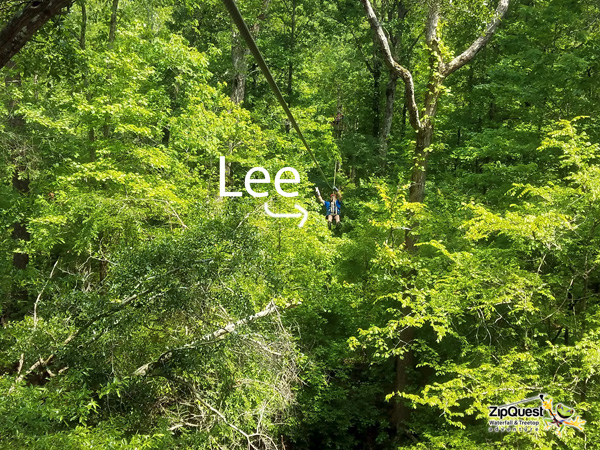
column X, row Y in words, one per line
column 210, row 337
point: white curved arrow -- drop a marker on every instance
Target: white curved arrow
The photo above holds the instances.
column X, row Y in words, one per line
column 302, row 212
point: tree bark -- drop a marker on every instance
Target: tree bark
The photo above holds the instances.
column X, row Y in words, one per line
column 480, row 42
column 23, row 25
column 112, row 31
column 376, row 64
column 83, row 31
column 418, row 176
column 390, row 97
column 397, row 12
column 400, row 412
column 239, row 58
column 401, row 72
column 239, row 54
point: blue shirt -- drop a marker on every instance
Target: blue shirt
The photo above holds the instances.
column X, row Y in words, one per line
column 333, row 209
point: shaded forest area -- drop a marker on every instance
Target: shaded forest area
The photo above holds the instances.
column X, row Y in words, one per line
column 140, row 310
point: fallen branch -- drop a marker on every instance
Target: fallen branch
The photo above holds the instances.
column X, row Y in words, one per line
column 210, row 337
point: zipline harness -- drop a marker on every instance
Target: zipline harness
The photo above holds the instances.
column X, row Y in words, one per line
column 333, row 208
column 243, row 29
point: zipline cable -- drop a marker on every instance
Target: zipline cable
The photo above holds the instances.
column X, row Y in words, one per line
column 245, row 32
column 335, row 167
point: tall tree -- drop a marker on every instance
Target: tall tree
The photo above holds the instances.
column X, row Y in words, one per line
column 86, row 83
column 291, row 50
column 21, row 186
column 397, row 11
column 422, row 121
column 239, row 57
column 112, row 32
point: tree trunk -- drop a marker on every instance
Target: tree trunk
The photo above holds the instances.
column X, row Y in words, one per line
column 83, row 31
column 112, row 31
column 407, row 362
column 403, row 124
column 376, row 93
column 398, row 13
column 20, row 183
column 419, row 171
column 239, row 54
column 390, row 97
column 292, row 49
column 86, row 83
column 424, row 128
column 23, row 25
column 239, row 58
column 400, row 411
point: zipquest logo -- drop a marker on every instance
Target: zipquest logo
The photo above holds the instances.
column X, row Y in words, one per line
column 513, row 418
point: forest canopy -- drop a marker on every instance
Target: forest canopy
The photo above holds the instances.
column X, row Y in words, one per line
column 142, row 308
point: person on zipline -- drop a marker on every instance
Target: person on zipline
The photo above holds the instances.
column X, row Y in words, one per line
column 332, row 207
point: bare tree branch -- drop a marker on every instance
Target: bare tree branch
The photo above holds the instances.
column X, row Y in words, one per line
column 228, row 423
column 480, row 42
column 402, row 72
column 20, row 367
column 210, row 337
column 40, row 362
column 37, row 300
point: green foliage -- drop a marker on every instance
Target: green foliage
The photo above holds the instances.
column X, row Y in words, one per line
column 121, row 262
